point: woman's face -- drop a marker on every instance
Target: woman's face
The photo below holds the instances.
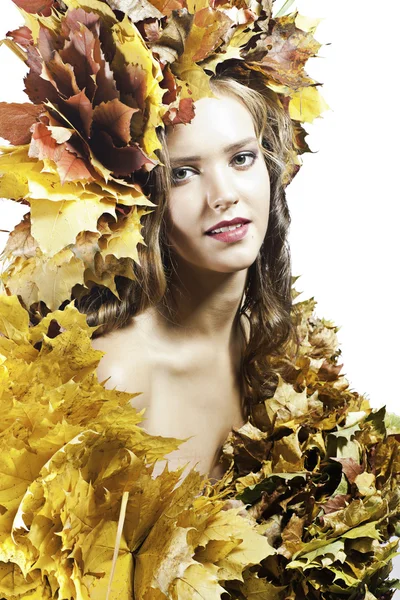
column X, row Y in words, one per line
column 219, row 174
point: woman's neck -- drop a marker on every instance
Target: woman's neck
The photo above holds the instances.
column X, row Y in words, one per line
column 205, row 303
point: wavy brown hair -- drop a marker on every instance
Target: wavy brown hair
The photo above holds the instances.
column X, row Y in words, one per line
column 267, row 301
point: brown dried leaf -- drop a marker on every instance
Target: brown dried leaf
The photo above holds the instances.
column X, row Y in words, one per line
column 81, row 112
column 183, row 114
column 20, row 241
column 86, row 247
column 335, row 503
column 285, row 52
column 121, row 161
column 16, row 121
column 172, row 41
column 292, row 536
column 79, row 52
column 115, row 118
column 22, row 36
column 62, row 76
column 211, row 27
column 41, row 7
column 350, row 468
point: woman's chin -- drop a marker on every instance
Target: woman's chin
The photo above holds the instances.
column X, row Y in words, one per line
column 231, row 266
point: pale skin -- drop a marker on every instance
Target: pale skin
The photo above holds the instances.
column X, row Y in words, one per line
column 188, row 371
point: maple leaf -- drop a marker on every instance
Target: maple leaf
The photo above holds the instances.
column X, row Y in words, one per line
column 258, row 589
column 123, row 242
column 56, row 225
column 16, row 121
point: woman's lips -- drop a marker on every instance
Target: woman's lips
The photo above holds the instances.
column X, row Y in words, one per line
column 233, row 235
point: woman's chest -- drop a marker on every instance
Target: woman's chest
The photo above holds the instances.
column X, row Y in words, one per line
column 202, row 403
column 187, row 391
column 194, row 396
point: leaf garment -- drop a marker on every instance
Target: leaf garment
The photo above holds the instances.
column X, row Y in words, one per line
column 306, row 510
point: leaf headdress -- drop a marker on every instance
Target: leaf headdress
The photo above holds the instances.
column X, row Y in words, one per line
column 103, row 78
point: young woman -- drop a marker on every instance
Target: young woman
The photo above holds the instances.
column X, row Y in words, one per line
column 212, row 300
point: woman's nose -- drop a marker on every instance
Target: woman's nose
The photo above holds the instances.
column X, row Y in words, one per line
column 221, row 192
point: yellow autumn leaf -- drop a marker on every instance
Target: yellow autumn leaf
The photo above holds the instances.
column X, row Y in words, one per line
column 97, row 554
column 120, row 192
column 252, row 549
column 194, row 6
column 168, row 559
column 56, row 225
column 193, row 79
column 13, row 582
column 56, row 277
column 15, row 169
column 17, row 467
column 307, row 104
column 68, row 317
column 123, row 243
column 46, row 185
column 200, row 582
column 148, row 498
column 256, row 588
column 14, row 320
column 307, row 23
column 132, row 50
column 95, row 6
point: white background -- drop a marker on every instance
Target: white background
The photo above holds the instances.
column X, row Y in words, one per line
column 345, row 200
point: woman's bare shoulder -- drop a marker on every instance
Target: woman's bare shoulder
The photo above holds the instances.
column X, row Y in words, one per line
column 126, row 361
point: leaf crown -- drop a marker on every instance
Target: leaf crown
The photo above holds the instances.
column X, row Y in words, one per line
column 102, row 78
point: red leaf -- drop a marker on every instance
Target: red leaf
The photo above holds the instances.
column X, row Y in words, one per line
column 21, row 36
column 43, row 145
column 41, row 7
column 115, row 118
column 336, row 503
column 169, row 84
column 77, row 16
column 183, row 114
column 350, row 467
column 72, row 168
column 16, row 121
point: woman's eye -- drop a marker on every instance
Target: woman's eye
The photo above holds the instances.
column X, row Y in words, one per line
column 178, row 175
column 242, row 157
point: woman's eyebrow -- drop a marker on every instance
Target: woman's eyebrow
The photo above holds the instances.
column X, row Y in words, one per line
column 226, row 150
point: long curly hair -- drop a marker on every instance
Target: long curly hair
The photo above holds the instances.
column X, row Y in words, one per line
column 267, row 300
